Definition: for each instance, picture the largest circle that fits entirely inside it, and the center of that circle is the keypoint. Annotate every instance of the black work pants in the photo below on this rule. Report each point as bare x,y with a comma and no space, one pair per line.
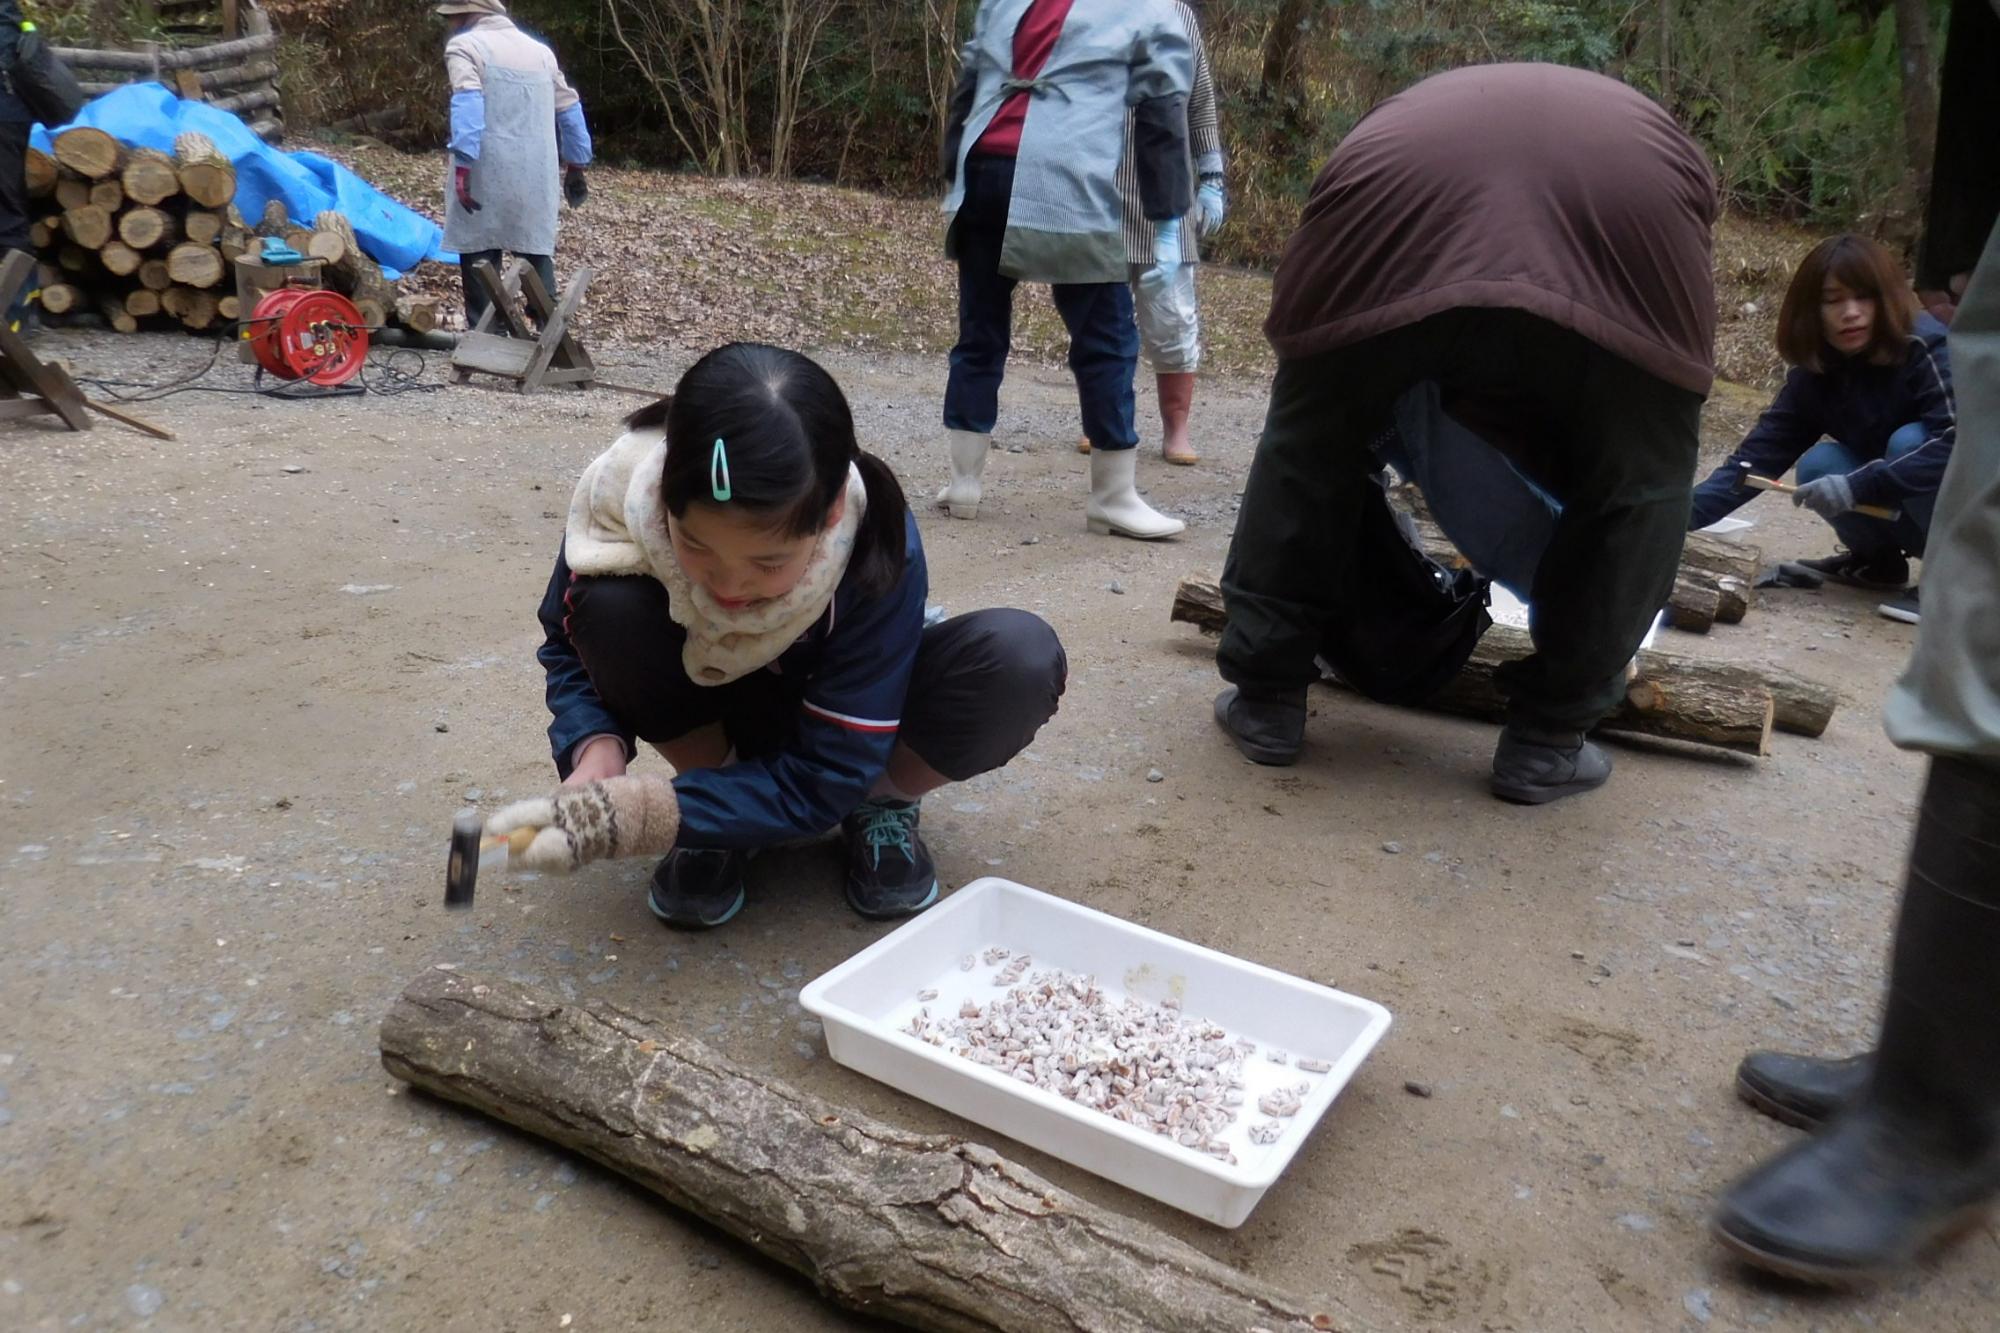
1614,445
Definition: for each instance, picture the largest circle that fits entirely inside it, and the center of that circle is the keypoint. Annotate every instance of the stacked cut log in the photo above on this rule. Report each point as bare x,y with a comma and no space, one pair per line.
163,246
239,75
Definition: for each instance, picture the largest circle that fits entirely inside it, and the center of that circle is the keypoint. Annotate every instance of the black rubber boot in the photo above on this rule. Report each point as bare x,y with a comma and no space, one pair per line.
1915,1162
1267,728
1799,1089
698,888
1532,766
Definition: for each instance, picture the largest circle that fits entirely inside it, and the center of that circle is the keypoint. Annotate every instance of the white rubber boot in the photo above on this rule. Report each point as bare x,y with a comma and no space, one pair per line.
1115,507
968,459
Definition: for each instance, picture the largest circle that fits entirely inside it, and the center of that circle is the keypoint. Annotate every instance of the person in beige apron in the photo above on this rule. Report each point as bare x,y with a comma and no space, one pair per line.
518,139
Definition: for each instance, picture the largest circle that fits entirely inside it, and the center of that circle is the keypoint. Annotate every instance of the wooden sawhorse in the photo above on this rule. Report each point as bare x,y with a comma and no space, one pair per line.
518,353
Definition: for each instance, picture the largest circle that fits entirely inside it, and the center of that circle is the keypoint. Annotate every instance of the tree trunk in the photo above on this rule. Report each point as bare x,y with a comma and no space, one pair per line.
195,265
923,1230
1280,82
1913,41
1688,694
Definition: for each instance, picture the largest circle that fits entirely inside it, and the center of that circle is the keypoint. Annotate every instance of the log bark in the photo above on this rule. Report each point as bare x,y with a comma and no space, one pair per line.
274,222
373,314
108,194
1678,698
206,175
120,259
1694,605
150,177
195,265
146,228
235,78
927,1231
203,226
59,298
243,103
87,225
352,270
233,242
81,58
153,275
88,152
41,174
142,302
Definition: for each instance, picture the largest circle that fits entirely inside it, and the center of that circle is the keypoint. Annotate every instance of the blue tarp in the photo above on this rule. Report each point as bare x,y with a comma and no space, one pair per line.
149,115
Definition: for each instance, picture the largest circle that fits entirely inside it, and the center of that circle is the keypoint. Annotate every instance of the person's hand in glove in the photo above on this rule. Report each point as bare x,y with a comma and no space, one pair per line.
627,816
461,181
1211,205
575,188
1829,497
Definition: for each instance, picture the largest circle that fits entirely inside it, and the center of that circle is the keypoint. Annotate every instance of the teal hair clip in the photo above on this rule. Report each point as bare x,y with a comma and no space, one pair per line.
718,473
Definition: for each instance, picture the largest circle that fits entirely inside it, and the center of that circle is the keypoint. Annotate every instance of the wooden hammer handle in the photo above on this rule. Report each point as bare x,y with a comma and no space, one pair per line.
1757,483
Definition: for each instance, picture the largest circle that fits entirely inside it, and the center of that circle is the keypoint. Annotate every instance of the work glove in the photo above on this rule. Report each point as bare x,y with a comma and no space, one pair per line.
1210,207
575,188
625,816
1829,497
1167,249
461,182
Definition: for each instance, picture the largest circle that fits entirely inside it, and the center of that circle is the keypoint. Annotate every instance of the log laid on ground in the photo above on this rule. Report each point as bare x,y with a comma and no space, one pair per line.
146,228
214,55
120,259
1681,698
416,314
41,174
195,265
353,272
150,177
116,315
371,122
87,225
141,302
206,175
108,195
1694,605
59,298
1732,567
198,308
924,1230
203,226
153,275
89,152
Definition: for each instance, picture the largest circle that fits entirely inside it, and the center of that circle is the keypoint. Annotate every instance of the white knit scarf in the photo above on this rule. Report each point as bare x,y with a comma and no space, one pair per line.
618,525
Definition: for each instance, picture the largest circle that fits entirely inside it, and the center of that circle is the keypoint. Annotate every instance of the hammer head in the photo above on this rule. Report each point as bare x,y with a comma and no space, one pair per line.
461,871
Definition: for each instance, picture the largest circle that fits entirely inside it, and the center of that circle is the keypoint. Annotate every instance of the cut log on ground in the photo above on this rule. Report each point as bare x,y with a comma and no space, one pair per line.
59,298
89,152
120,259
150,177
418,315
154,276
195,265
206,175
203,226
147,228
1800,706
41,174
373,314
108,195
142,302
1694,605
87,225
923,1230
198,309
116,316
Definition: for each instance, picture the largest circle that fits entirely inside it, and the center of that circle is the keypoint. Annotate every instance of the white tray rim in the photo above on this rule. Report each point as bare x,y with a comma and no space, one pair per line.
813,999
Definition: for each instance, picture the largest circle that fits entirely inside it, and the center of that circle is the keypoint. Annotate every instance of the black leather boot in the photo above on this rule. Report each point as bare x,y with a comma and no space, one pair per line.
1799,1089
1267,728
1915,1161
1533,765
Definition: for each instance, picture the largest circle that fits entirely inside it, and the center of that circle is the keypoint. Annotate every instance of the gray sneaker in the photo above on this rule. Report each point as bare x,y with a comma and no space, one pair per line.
1534,767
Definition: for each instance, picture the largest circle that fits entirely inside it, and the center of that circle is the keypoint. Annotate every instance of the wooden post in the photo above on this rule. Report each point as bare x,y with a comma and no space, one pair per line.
928,1231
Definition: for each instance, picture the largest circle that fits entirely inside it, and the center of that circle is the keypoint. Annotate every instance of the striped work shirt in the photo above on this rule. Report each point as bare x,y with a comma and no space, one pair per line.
1204,142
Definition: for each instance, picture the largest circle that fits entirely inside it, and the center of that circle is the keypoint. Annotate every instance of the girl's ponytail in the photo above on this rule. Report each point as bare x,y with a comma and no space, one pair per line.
882,545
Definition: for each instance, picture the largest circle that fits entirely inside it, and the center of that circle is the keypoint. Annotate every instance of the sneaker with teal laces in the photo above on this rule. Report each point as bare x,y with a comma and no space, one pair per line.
889,870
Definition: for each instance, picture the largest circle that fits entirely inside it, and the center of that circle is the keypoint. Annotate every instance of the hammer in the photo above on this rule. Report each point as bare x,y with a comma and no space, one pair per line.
469,851
1757,483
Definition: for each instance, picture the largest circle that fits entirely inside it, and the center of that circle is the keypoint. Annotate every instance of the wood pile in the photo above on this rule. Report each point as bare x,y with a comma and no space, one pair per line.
238,74
131,234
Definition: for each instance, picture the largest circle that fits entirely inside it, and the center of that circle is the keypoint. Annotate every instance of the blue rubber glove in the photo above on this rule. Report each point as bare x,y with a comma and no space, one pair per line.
1829,497
1210,207
1167,248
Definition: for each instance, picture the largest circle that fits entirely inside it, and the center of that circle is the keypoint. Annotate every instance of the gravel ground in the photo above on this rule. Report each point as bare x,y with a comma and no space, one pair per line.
250,673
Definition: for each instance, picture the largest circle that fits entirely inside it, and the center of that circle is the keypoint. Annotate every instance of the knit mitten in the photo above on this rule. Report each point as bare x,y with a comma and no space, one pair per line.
622,816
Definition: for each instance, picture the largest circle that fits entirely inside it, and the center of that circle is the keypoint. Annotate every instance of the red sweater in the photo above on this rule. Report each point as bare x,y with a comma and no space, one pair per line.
1033,41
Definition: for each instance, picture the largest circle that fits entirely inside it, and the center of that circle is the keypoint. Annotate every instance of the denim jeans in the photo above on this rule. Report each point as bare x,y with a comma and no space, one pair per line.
1859,533
1103,337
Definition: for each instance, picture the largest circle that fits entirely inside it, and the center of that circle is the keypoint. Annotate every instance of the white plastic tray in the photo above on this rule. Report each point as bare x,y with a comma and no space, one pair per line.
867,1002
